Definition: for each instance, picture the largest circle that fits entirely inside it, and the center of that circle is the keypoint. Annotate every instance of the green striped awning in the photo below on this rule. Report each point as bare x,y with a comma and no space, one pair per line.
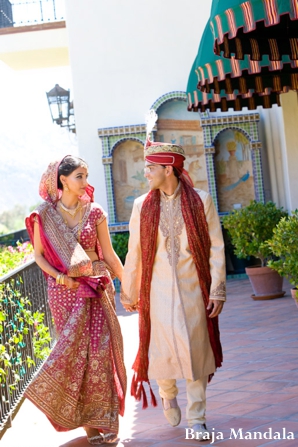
199,101
255,28
216,82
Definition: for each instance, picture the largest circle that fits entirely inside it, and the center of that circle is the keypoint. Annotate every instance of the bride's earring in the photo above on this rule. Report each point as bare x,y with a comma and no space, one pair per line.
65,187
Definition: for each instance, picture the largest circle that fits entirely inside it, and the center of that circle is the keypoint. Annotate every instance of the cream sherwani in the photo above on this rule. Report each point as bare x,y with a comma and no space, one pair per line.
179,344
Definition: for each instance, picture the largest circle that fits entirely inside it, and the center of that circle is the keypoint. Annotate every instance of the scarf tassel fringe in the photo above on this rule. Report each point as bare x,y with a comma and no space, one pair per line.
137,390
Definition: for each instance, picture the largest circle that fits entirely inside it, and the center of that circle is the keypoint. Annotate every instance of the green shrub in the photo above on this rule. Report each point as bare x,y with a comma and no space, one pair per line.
3,229
284,245
11,257
250,227
13,219
120,244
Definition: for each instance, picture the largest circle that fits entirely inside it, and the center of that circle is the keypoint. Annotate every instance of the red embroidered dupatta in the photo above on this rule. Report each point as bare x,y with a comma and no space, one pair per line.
199,243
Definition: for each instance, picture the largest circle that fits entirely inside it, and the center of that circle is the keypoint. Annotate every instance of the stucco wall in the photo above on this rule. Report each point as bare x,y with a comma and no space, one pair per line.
35,46
289,103
124,56
271,135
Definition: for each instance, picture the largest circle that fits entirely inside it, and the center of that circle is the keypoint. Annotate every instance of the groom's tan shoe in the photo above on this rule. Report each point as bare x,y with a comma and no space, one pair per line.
171,411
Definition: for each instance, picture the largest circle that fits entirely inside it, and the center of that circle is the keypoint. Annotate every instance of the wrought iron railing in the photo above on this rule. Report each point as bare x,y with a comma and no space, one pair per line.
26,281
30,12
14,237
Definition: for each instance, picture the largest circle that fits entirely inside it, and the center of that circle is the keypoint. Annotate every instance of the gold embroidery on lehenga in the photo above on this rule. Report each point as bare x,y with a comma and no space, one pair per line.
70,394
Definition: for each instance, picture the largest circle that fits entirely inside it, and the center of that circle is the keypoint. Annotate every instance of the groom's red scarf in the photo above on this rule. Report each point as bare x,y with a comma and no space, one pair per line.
199,243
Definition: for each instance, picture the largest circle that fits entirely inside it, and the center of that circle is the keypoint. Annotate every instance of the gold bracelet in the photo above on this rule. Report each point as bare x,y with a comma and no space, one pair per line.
62,279
58,278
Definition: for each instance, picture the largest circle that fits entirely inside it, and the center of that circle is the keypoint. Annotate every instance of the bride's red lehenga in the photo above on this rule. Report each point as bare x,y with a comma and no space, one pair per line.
83,381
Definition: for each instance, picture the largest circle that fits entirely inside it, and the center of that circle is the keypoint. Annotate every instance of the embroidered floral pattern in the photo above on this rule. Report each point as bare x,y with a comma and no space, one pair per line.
75,386
48,185
164,148
219,291
66,245
171,224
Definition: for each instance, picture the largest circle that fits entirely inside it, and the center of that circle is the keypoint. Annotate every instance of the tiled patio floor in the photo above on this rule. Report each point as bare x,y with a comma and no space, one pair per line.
256,390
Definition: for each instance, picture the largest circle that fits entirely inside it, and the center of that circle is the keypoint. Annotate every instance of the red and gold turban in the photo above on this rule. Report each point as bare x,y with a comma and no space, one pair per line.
167,154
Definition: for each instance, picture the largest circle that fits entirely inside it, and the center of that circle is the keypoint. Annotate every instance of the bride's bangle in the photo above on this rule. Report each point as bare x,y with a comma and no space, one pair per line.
60,279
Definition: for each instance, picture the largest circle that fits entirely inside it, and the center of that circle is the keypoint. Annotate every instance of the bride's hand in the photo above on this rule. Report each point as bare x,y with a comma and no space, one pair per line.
71,283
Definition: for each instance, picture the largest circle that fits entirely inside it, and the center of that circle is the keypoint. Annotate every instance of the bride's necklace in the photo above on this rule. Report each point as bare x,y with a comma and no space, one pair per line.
79,223
71,211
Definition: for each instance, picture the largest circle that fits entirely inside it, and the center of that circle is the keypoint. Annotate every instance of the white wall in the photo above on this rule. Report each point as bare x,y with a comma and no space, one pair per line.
124,55
289,102
281,143
34,40
271,135
31,49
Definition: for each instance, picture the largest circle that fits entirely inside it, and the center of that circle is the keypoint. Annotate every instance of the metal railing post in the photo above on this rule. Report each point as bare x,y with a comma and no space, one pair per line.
29,281
41,12
16,13
54,9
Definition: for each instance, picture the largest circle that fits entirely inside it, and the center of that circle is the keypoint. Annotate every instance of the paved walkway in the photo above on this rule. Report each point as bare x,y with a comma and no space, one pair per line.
256,390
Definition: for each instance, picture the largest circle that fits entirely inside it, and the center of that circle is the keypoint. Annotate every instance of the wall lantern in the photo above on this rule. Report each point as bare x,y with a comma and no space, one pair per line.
61,108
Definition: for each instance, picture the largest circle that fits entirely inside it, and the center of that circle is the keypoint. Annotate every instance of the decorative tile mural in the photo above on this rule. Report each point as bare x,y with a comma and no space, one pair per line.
233,170
123,159
123,154
223,156
176,125
233,153
128,176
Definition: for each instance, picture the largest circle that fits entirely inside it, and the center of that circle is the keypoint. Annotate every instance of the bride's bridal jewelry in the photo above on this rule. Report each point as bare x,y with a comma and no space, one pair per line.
71,211
79,225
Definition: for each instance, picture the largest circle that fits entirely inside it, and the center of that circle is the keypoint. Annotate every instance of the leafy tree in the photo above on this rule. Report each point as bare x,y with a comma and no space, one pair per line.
3,229
33,207
14,218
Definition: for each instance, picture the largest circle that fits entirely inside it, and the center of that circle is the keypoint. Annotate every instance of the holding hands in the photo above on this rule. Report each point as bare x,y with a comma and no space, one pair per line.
126,304
131,308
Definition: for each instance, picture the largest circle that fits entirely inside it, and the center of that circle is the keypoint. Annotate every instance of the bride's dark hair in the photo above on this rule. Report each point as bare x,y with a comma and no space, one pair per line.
68,165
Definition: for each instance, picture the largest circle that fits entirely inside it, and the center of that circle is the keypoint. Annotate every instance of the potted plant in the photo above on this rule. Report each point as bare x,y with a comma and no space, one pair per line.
249,228
283,244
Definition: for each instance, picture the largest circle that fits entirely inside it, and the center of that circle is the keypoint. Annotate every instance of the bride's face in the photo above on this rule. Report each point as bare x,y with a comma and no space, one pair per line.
76,182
